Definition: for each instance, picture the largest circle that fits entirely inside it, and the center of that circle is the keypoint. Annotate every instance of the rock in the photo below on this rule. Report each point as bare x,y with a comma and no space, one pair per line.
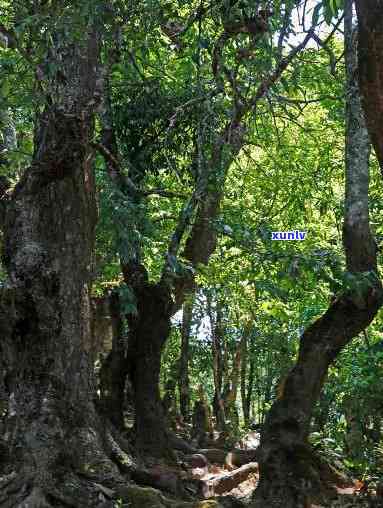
199,472
230,502
146,497
226,482
139,497
198,460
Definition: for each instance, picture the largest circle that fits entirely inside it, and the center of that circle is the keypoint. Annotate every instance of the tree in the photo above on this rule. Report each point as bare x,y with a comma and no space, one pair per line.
194,237
52,430
184,381
371,68
286,464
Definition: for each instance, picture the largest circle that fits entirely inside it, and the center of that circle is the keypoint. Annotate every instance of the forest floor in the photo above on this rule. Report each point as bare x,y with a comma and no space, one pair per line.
226,477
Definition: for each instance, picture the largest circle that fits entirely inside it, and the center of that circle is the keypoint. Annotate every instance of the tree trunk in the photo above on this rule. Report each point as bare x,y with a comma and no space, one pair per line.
148,332
114,369
217,338
288,475
184,387
231,391
197,224
52,429
245,356
370,52
250,386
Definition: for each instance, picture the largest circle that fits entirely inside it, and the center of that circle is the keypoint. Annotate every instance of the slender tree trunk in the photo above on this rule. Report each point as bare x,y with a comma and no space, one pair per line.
184,385
230,398
245,356
250,385
114,369
370,52
288,476
52,429
218,362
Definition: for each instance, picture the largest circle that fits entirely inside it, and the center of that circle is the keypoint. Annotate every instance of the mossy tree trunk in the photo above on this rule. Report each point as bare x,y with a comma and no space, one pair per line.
52,429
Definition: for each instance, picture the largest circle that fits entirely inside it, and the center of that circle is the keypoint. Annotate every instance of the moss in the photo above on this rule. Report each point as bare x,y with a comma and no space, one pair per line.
139,497
206,504
146,497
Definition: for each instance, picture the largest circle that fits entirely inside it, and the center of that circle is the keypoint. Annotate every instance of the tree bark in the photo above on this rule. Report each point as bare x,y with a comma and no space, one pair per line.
52,429
148,332
370,51
184,387
225,482
288,475
245,355
231,390
113,371
218,361
250,385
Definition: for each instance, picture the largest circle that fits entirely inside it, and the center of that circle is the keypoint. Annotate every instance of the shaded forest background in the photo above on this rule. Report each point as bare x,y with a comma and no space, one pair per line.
157,347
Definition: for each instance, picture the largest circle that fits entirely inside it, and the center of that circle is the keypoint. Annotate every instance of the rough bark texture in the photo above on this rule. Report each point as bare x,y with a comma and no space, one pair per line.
184,387
52,430
358,241
288,474
370,51
113,371
148,331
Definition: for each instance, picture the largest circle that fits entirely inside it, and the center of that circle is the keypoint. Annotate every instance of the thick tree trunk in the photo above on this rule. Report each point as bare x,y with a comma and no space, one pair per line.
52,429
288,475
184,387
148,332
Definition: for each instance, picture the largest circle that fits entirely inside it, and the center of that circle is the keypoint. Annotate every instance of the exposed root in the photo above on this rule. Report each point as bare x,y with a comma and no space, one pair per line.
36,499
84,478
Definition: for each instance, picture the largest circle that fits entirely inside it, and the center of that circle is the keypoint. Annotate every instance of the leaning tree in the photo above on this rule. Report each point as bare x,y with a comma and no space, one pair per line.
288,471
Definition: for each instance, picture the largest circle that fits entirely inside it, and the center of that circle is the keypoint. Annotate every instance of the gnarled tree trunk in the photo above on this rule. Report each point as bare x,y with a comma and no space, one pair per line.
148,332
288,476
52,429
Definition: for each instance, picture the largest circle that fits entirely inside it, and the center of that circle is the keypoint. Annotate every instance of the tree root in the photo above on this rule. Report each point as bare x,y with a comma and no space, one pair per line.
36,499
